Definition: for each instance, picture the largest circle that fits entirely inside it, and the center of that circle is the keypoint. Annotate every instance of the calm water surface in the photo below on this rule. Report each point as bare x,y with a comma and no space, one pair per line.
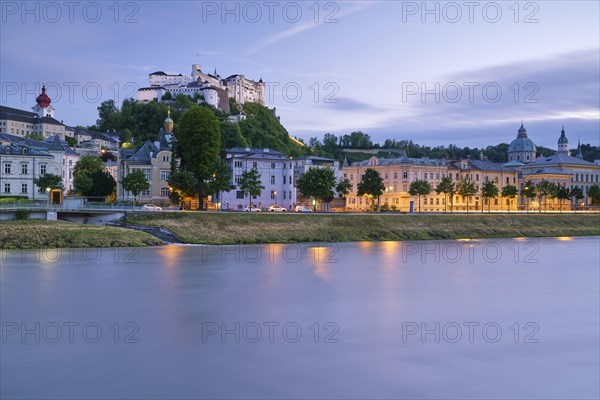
447,319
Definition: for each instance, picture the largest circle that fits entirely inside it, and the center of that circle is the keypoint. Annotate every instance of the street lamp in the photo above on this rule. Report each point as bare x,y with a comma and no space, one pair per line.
275,193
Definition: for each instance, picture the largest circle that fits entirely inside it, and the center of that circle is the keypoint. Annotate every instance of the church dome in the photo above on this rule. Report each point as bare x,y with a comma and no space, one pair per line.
563,138
522,143
43,100
168,124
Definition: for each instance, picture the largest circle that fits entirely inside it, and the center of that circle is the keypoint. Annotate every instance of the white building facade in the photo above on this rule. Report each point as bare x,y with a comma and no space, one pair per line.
276,175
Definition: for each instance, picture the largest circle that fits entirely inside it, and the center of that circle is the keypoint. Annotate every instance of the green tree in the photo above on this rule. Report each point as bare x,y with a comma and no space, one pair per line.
577,193
250,184
489,190
317,183
183,184
562,193
467,189
510,192
594,194
88,165
221,179
545,189
447,187
371,185
91,179
82,183
199,138
108,116
419,188
135,182
529,192
71,141
48,181
167,96
343,187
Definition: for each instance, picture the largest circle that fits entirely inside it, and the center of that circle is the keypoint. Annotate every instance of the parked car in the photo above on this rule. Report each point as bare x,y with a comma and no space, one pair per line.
151,207
276,208
303,209
251,209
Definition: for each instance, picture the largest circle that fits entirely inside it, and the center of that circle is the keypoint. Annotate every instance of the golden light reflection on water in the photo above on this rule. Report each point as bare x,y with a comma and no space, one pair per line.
565,238
319,262
170,255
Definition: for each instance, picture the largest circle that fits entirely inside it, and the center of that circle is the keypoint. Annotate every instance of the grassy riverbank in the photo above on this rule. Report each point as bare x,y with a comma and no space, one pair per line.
229,228
36,234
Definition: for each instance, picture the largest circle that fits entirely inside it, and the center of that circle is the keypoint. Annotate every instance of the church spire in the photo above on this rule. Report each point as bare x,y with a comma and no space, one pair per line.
563,142
579,153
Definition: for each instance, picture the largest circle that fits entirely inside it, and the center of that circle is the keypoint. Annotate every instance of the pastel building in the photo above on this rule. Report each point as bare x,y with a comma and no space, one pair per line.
154,160
22,160
39,122
276,174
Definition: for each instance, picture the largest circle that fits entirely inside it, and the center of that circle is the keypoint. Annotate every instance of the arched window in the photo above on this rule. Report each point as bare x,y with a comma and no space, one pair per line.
7,151
24,151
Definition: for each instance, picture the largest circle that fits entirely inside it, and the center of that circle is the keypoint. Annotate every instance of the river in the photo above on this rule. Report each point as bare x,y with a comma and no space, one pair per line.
470,319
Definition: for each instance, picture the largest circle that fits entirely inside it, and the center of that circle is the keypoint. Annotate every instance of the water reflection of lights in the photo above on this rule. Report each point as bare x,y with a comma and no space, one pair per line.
319,261
170,254
565,238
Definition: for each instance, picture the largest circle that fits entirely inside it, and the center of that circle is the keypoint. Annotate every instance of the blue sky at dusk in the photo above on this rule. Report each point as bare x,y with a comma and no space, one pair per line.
358,65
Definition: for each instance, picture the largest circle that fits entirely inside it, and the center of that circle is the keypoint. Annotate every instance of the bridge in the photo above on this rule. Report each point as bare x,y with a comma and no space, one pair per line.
82,215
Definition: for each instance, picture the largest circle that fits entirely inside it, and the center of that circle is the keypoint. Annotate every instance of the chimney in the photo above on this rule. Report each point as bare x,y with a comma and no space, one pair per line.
265,150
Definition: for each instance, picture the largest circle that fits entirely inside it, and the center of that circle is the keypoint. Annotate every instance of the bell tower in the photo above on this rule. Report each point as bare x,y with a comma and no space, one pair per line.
43,107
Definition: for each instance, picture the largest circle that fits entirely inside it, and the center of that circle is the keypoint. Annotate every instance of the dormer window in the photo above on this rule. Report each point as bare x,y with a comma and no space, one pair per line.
24,151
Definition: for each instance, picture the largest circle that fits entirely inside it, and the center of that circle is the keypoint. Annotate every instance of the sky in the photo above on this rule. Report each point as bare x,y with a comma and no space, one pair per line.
436,73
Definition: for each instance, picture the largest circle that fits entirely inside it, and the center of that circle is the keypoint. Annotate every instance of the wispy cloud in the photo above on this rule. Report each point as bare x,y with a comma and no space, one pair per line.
303,27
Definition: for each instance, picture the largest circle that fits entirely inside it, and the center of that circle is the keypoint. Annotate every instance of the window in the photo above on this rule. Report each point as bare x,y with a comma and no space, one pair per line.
290,194
165,192
7,168
237,164
23,188
477,177
431,176
166,158
507,180
43,169
239,194
385,176
237,178
273,195
147,173
254,164
284,194
7,188
146,192
284,178
272,179
395,175
165,174
405,175
272,165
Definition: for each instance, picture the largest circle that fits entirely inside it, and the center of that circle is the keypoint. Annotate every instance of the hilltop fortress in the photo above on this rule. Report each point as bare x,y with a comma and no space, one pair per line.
215,90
